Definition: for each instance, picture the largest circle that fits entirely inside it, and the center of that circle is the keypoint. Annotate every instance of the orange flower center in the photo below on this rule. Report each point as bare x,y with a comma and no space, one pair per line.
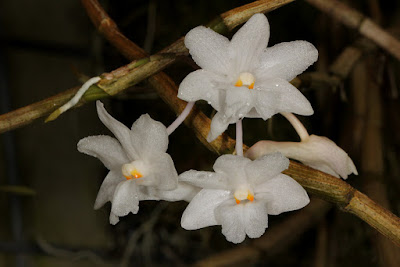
245,79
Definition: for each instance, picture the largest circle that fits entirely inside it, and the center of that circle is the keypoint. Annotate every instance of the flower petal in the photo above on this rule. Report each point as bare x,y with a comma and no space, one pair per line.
317,152
282,194
107,149
286,97
163,171
201,84
107,188
265,147
231,217
238,102
286,60
121,132
248,43
266,168
208,49
149,136
232,167
200,211
264,104
218,126
323,151
184,191
114,219
209,180
255,218
148,193
125,198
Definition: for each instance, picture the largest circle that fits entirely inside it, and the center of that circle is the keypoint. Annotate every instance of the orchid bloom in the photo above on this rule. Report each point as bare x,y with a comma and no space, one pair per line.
139,167
315,151
242,78
240,194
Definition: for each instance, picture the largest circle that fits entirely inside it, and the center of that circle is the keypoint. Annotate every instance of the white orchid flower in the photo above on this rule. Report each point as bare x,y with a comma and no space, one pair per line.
139,167
240,194
315,151
242,78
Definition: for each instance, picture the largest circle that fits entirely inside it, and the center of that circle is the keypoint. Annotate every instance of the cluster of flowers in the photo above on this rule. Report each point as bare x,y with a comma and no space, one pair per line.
239,78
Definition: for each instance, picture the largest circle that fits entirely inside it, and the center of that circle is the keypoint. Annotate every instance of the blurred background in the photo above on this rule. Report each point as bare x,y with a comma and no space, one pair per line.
47,47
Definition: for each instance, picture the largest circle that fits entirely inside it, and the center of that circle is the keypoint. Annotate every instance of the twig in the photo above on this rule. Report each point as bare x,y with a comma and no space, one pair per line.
358,21
70,255
144,229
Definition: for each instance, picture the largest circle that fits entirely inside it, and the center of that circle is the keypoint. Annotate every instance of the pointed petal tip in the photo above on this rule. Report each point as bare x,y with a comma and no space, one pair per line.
114,219
352,166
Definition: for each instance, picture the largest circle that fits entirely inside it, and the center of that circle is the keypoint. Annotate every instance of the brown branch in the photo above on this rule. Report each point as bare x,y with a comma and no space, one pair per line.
358,21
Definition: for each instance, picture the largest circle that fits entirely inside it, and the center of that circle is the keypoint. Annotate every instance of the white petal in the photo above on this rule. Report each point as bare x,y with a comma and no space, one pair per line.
218,126
255,218
114,219
323,151
286,60
286,97
266,167
265,147
184,191
231,217
107,188
149,136
282,194
201,84
208,49
209,180
238,102
249,42
200,211
163,171
293,150
125,199
233,167
120,131
107,149
264,104
148,193
317,152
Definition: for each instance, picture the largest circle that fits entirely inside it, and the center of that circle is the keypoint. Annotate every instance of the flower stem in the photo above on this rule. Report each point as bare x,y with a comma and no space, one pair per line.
239,138
297,125
180,118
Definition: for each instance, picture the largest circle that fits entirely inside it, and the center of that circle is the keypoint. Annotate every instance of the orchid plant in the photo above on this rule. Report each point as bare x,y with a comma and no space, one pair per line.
241,78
